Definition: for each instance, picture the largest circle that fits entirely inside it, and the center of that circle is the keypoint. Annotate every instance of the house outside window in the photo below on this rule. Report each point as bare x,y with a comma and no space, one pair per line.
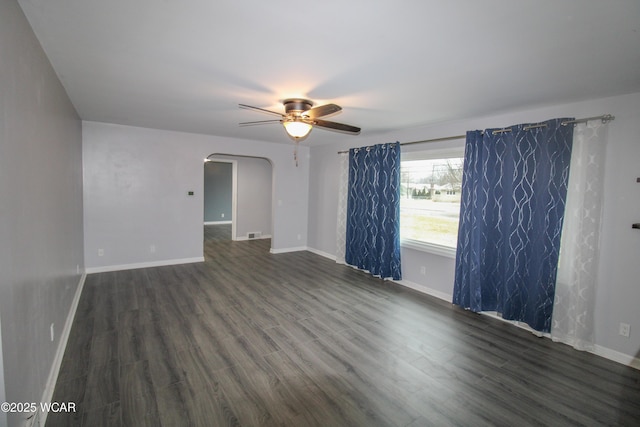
430,190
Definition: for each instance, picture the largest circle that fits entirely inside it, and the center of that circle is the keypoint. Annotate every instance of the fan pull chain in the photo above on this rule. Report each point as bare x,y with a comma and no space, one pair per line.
295,152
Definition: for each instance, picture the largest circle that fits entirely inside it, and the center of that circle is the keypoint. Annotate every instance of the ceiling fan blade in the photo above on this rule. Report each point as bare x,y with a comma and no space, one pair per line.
249,107
322,110
337,126
259,122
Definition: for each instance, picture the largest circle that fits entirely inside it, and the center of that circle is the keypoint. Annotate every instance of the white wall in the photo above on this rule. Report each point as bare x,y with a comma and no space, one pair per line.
254,196
619,291
40,211
135,193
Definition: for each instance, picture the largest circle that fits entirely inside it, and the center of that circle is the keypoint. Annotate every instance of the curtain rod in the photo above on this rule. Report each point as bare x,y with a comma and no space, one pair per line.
605,119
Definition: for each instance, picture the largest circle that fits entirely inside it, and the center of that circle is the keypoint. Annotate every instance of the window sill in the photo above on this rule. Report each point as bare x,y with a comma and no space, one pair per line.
432,248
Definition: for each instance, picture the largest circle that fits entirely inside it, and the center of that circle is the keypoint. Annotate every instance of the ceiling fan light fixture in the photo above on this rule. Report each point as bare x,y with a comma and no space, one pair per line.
297,129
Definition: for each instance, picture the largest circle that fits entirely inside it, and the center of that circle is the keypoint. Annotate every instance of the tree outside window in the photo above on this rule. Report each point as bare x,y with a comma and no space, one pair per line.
430,200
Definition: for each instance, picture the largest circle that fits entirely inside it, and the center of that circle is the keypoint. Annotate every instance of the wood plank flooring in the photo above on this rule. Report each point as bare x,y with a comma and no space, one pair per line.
250,338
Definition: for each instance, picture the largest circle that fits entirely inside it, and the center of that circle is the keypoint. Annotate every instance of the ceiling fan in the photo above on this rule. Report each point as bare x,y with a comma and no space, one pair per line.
300,117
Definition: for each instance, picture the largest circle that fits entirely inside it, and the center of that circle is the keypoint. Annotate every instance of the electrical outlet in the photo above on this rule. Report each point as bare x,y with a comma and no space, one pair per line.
624,329
100,252
423,270
52,331
222,215
152,249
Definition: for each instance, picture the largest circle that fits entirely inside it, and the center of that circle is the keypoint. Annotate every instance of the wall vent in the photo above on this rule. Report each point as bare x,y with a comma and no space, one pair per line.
254,235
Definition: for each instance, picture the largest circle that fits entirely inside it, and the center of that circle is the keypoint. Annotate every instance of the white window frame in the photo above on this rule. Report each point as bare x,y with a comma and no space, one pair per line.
430,154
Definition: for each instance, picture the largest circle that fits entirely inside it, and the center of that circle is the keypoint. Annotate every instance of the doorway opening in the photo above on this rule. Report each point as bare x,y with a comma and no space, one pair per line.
238,199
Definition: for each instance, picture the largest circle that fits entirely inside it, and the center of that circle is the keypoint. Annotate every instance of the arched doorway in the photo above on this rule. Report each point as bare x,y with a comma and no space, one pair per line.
249,181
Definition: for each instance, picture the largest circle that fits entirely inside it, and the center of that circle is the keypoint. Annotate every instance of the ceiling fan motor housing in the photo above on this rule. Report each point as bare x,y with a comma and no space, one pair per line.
297,105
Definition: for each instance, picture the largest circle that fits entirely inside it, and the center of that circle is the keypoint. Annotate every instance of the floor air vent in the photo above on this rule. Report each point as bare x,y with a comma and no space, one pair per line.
254,235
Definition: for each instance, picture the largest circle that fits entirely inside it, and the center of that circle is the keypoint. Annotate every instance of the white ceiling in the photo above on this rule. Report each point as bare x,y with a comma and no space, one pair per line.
391,64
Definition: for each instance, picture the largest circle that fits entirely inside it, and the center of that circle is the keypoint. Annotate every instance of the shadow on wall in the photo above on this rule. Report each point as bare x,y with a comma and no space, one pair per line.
218,192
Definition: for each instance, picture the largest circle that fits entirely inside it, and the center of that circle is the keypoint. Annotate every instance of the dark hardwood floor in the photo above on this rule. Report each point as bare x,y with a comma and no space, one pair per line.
255,339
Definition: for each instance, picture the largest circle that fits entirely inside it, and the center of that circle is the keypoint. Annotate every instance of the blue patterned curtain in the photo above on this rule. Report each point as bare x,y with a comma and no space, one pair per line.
373,210
514,188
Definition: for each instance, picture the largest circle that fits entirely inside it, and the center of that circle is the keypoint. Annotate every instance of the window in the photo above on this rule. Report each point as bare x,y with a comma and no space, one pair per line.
430,202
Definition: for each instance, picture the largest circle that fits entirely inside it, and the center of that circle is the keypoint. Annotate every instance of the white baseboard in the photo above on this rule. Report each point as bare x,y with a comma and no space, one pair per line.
607,353
406,283
598,350
601,351
217,222
321,253
425,290
304,248
47,395
50,386
616,356
107,268
285,250
242,238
